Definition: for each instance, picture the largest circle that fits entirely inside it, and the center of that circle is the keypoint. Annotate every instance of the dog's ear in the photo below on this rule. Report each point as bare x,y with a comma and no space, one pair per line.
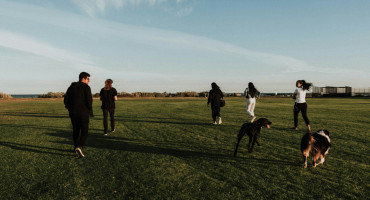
326,132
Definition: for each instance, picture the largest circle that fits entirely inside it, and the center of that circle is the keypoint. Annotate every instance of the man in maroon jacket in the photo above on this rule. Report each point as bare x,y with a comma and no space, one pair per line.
78,101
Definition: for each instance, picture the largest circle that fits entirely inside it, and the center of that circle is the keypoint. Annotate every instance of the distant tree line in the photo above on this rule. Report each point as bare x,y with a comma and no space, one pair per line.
53,95
136,94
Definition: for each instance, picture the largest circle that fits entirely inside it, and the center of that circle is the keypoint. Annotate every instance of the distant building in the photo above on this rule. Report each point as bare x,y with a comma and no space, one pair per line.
330,91
361,92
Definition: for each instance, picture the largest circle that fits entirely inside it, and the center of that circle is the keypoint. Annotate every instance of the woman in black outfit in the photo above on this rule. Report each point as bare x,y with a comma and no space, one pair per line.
214,98
108,95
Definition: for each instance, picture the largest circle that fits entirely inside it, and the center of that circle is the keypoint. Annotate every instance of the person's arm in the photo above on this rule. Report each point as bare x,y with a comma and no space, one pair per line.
66,99
295,94
209,97
89,100
101,94
115,94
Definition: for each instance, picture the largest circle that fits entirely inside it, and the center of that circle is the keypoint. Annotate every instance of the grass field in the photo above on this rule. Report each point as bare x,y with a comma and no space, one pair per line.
168,149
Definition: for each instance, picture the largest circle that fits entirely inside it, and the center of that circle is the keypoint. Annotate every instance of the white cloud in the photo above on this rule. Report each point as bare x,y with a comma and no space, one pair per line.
185,11
92,7
29,45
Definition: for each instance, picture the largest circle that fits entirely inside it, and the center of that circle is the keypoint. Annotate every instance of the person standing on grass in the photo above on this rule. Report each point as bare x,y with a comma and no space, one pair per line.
108,95
251,93
78,101
214,98
300,103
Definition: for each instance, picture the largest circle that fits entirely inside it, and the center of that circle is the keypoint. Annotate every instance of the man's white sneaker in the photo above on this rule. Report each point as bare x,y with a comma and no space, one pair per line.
79,152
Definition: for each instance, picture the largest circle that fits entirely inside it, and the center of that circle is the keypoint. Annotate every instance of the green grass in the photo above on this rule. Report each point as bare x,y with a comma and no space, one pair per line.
168,149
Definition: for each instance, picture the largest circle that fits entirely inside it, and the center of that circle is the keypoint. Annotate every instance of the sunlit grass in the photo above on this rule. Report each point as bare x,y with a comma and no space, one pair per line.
168,149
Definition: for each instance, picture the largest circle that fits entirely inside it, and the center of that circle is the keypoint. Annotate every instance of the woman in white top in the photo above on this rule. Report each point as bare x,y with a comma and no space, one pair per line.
251,93
300,103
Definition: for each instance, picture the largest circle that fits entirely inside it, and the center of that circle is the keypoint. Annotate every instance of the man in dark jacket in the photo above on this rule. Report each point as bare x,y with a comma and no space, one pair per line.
78,101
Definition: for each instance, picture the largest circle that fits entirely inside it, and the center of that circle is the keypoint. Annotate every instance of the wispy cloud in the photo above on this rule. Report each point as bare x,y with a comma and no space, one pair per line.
93,7
185,11
26,44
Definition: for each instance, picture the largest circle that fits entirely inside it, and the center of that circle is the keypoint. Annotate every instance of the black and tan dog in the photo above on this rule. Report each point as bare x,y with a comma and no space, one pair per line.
252,130
318,144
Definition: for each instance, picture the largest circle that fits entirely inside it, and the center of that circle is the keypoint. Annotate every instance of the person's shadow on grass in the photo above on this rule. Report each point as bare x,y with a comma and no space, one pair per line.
100,141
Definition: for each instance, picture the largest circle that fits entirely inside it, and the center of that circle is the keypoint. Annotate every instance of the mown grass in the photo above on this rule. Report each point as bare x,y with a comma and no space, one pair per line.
168,149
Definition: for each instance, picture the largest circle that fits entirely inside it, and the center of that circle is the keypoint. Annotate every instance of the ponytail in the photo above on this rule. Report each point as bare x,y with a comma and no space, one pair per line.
306,86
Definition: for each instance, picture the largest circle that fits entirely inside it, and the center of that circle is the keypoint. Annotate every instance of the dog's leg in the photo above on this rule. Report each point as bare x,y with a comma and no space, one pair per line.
315,158
252,140
258,142
237,145
305,161
322,159
249,144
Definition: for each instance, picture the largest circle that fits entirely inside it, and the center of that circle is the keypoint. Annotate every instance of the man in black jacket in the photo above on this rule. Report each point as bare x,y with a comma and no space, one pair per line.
78,101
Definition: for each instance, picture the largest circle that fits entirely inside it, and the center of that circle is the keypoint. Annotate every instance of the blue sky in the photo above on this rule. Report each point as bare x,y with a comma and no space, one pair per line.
183,45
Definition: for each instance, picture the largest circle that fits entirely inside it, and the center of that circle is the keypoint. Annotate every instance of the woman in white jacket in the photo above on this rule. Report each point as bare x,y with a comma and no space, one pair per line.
251,93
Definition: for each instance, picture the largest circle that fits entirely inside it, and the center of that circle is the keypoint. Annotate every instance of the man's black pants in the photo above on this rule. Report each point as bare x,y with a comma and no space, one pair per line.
105,121
80,123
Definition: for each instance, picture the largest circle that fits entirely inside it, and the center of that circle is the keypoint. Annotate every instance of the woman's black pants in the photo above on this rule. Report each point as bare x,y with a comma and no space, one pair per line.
300,107
215,112
105,120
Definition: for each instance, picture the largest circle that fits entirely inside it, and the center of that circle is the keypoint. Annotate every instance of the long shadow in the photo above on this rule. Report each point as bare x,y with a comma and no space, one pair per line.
35,115
35,149
49,128
173,149
182,122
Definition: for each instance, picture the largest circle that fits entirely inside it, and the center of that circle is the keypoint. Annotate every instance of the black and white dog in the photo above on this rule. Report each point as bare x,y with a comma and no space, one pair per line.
318,144
252,130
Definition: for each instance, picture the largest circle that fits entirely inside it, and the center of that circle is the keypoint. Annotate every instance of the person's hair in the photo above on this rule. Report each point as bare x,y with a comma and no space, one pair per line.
252,90
305,86
108,84
83,75
214,86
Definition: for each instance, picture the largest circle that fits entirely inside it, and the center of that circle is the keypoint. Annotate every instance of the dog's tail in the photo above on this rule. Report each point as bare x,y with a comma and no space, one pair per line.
306,142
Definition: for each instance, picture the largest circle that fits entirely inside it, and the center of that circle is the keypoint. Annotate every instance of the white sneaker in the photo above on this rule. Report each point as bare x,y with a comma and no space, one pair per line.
253,118
215,123
114,130
79,152
219,120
